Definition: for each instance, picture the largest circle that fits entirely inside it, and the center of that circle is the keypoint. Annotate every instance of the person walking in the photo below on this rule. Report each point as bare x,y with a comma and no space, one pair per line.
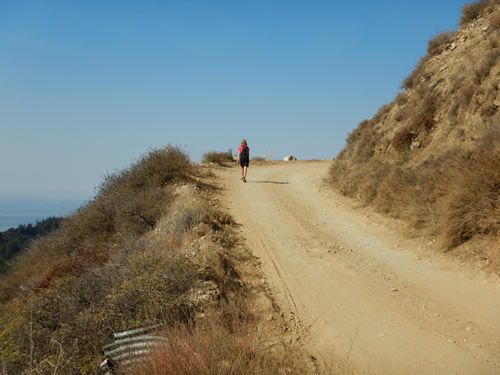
244,159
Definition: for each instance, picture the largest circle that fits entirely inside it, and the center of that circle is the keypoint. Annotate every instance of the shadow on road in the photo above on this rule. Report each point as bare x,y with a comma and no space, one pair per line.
268,182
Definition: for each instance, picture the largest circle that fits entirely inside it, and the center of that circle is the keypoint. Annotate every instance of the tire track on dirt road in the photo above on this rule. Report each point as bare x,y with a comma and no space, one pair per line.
367,294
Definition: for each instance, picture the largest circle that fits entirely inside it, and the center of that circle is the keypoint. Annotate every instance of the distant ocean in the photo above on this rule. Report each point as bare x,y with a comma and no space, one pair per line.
14,212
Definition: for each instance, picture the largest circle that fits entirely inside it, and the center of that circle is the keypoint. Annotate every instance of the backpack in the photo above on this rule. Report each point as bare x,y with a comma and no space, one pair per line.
244,154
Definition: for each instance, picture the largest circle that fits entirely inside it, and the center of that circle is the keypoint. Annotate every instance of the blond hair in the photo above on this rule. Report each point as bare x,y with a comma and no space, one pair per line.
244,142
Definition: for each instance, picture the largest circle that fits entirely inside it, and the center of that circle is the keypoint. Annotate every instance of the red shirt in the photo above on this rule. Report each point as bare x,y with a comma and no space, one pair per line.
241,149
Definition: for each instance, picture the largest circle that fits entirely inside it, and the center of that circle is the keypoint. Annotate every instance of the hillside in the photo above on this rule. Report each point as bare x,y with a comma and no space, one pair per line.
150,250
13,240
432,156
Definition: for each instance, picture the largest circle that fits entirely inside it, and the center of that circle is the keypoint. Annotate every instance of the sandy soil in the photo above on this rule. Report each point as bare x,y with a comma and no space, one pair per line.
367,293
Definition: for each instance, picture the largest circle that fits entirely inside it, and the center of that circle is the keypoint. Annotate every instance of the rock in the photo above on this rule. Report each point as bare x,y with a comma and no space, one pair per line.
289,158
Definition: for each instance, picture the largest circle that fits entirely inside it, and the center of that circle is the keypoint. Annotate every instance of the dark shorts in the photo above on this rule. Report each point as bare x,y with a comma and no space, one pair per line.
244,163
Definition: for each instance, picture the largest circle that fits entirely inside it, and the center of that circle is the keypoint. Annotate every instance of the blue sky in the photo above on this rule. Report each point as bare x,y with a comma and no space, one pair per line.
86,87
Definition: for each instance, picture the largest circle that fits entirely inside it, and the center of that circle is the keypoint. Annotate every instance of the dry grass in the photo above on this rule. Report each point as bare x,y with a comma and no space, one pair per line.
364,138
495,21
448,191
416,75
220,344
148,249
68,278
435,44
258,158
401,99
472,206
472,10
455,197
464,95
403,139
218,157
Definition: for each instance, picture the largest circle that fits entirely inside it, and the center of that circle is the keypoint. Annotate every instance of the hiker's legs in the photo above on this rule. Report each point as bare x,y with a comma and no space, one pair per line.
244,171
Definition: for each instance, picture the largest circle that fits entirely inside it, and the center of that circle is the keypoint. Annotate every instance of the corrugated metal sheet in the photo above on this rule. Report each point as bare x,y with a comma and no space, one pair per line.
129,346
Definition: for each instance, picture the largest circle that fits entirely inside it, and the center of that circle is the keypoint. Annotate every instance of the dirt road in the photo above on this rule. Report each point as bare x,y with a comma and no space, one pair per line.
367,294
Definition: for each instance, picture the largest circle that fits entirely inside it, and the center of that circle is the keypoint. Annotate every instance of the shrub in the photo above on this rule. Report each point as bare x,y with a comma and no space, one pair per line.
347,178
464,95
382,113
489,110
433,46
258,158
154,169
402,115
493,42
484,69
191,214
365,147
208,173
403,138
75,268
495,21
218,157
452,113
454,197
412,80
472,10
356,133
152,289
473,205
425,118
220,345
401,99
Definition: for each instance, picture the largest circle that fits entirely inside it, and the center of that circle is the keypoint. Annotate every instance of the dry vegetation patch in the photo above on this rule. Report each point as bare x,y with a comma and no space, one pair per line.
431,158
151,248
454,198
218,157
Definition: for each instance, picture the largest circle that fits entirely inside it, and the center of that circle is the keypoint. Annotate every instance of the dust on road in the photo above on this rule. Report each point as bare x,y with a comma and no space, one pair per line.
367,294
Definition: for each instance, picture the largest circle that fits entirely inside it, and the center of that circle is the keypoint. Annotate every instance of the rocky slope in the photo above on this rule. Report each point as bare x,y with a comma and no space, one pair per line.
432,156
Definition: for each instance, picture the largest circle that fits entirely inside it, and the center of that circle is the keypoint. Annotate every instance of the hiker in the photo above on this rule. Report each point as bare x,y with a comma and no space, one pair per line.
244,159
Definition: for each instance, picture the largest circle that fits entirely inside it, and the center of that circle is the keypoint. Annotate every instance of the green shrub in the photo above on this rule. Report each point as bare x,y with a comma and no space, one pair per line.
155,169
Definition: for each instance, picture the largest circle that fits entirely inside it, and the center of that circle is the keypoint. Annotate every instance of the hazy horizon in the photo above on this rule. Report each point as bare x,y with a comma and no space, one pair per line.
14,212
